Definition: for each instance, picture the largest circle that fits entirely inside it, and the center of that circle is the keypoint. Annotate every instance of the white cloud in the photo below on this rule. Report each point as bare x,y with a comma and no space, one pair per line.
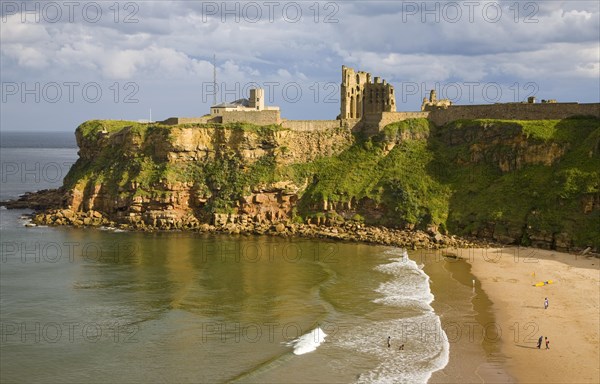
26,57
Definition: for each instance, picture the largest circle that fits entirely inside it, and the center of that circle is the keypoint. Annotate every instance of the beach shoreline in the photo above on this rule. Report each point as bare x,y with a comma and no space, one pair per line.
464,312
571,322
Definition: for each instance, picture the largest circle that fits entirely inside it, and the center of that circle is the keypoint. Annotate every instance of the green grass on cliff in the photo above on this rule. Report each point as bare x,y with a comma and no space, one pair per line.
535,200
385,169
94,127
454,178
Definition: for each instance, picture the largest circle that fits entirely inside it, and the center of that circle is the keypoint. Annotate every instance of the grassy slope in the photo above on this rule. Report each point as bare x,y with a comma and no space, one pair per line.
431,182
397,180
545,198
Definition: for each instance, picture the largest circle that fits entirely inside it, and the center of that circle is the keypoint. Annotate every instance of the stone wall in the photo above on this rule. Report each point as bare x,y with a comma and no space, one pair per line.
513,111
265,117
310,125
372,123
188,120
392,117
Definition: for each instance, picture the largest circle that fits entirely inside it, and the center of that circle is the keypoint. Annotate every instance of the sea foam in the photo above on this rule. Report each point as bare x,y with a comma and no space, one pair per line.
308,342
409,288
426,348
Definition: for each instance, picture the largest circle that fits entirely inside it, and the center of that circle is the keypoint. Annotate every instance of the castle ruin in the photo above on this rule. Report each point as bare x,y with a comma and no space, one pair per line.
368,104
360,95
433,103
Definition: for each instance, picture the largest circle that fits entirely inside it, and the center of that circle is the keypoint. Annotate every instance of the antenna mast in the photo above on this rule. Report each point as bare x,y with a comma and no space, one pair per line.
215,79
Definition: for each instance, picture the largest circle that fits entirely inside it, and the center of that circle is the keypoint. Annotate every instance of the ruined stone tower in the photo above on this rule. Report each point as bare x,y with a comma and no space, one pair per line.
360,96
433,103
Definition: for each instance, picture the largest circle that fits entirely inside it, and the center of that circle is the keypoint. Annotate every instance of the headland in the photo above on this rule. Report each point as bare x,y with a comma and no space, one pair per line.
515,173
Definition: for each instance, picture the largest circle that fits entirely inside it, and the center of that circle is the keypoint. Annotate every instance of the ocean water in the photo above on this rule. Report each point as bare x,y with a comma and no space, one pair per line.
90,305
32,161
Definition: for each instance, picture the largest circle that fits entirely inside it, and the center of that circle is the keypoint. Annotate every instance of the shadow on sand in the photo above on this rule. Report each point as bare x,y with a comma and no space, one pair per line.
526,346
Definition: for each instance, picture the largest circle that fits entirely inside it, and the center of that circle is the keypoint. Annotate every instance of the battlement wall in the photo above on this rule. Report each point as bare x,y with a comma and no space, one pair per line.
514,111
310,125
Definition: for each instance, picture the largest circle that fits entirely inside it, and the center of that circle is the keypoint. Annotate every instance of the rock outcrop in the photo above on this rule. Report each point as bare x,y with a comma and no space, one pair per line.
178,177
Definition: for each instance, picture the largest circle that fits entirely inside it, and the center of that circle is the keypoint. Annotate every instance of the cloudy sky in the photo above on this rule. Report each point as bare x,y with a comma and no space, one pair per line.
66,62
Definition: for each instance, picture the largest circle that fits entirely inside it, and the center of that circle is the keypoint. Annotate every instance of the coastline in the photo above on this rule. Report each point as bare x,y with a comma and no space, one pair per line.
499,320
571,322
44,204
503,296
464,312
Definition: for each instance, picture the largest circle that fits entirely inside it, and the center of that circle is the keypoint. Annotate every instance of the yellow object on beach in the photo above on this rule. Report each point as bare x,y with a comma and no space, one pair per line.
542,283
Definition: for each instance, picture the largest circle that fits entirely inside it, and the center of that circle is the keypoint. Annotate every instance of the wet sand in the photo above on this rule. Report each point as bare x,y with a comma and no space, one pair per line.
515,317
464,311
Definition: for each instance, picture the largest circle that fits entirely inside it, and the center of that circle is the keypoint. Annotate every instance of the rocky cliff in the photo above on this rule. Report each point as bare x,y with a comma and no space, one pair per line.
522,182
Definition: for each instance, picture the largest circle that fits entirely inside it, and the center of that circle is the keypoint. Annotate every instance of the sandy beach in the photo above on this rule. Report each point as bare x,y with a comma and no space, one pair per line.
571,322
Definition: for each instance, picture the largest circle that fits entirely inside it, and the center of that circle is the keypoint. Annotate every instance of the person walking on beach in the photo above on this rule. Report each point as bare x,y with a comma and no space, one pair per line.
547,343
546,303
388,340
540,342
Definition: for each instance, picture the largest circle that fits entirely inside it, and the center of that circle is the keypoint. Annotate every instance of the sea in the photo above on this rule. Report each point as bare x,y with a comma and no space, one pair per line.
108,306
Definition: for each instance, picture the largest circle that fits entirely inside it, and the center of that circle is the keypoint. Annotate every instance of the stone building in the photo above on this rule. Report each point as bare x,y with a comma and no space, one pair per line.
361,96
252,110
256,102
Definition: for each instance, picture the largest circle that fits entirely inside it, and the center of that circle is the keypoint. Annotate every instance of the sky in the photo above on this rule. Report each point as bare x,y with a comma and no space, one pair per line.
65,62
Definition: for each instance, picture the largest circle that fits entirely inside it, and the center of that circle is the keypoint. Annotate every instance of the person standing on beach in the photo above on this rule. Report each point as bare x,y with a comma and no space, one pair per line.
546,303
388,340
540,342
547,343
